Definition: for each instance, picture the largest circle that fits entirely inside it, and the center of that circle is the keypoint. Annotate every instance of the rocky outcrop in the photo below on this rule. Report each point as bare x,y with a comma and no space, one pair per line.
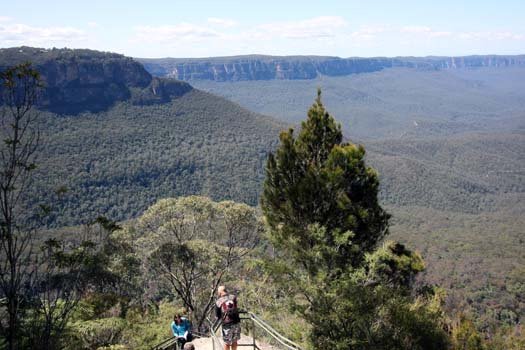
306,67
85,80
160,90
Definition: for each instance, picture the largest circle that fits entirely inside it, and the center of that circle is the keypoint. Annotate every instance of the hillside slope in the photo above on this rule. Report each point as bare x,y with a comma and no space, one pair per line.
467,173
118,162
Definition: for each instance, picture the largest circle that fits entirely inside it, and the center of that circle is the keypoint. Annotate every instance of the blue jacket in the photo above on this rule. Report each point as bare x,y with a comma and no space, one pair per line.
179,330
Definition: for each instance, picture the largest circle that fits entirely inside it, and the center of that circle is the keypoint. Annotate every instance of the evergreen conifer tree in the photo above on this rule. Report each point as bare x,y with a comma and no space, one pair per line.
317,179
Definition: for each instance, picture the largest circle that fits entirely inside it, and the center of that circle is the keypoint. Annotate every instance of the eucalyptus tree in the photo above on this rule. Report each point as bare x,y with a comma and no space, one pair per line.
191,244
19,140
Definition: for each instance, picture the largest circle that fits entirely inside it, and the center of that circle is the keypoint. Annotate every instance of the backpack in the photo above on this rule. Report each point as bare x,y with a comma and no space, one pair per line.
229,310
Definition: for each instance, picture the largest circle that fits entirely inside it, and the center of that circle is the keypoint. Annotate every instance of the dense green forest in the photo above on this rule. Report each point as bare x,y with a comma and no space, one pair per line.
116,163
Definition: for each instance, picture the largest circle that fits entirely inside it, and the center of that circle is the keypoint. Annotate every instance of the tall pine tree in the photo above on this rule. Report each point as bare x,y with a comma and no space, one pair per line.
317,179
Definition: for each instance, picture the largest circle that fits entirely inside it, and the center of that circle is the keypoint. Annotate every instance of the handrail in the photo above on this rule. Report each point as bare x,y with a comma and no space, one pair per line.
269,330
165,344
272,332
213,329
172,341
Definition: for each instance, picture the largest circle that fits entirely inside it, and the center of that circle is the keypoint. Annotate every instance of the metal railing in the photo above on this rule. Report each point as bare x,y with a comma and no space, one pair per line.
171,343
256,325
166,344
215,340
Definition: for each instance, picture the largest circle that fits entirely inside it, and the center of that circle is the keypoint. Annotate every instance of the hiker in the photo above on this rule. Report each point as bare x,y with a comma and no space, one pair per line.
181,329
227,312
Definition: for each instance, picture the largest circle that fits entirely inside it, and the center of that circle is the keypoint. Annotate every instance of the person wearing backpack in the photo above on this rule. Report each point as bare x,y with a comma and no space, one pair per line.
227,312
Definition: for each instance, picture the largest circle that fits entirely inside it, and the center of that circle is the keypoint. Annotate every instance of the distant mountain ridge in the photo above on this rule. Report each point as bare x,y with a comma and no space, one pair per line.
261,67
80,80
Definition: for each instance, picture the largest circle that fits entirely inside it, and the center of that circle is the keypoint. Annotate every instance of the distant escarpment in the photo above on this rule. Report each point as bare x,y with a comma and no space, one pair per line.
255,67
90,81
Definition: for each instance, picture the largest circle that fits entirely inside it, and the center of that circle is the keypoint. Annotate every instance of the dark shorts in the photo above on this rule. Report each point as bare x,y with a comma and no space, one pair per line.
231,333
181,340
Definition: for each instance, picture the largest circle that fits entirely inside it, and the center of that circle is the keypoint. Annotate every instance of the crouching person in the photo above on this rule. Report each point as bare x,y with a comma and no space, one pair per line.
181,329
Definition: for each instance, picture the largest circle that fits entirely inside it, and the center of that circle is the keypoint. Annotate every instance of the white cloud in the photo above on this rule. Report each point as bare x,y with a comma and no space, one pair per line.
416,29
492,36
326,35
426,31
474,35
5,19
217,30
93,25
318,27
223,22
22,34
167,33
440,34
369,32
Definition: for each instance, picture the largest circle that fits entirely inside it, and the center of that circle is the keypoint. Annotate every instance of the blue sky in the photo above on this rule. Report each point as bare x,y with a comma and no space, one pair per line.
222,28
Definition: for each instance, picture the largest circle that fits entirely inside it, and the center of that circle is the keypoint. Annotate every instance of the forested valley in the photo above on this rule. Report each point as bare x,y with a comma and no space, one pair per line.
118,197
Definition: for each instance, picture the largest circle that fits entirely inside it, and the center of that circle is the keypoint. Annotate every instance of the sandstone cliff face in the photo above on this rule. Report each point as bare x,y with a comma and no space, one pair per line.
160,90
87,80
493,61
264,68
306,67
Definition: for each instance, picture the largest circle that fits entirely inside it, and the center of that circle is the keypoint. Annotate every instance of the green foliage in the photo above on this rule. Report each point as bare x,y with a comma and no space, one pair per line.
457,173
349,315
466,337
146,330
67,273
119,162
320,203
139,329
370,309
320,199
267,294
190,245
507,338
464,189
393,265
94,334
